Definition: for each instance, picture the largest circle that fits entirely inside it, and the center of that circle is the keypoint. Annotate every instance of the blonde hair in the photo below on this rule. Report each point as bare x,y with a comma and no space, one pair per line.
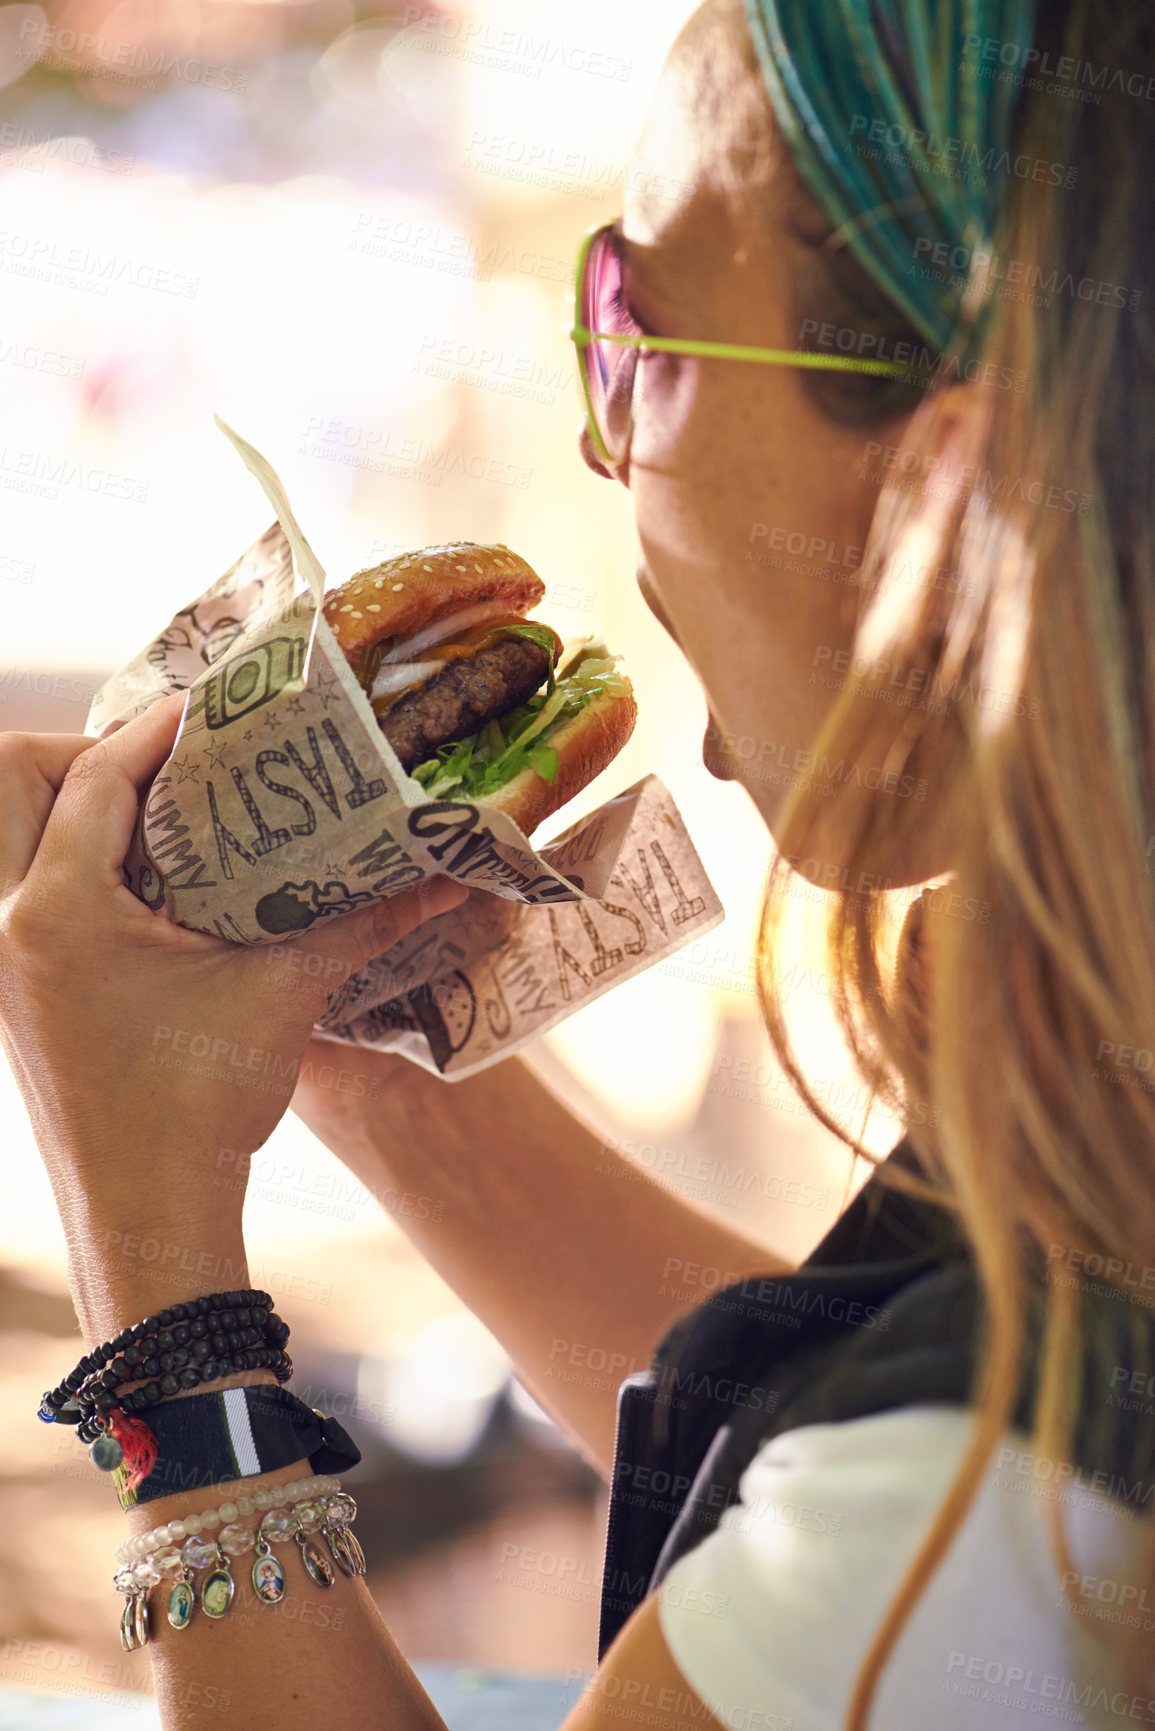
1035,731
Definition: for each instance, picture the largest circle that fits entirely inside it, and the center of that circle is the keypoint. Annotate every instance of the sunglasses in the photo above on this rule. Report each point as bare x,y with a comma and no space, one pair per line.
609,343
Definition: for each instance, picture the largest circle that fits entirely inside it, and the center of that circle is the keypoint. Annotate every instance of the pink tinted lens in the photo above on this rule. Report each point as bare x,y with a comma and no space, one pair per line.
611,366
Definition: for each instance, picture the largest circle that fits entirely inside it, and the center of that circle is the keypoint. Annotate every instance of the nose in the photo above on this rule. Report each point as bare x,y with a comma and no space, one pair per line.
592,461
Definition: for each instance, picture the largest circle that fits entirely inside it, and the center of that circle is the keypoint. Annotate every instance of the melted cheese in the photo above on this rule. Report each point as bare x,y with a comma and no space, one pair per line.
395,678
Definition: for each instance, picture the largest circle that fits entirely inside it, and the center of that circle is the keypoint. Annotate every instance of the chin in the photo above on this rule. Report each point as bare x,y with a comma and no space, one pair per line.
714,754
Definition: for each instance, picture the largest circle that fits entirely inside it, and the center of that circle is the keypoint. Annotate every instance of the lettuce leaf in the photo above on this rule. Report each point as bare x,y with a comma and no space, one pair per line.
540,634
482,764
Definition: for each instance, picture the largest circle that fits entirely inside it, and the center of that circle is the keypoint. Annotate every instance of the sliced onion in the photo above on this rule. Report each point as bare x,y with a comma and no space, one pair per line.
392,681
450,626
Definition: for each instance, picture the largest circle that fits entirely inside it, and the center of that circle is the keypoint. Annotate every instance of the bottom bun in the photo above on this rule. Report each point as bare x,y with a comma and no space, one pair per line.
585,745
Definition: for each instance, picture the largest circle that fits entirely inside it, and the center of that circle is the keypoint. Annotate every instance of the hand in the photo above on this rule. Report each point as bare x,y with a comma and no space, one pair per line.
144,1050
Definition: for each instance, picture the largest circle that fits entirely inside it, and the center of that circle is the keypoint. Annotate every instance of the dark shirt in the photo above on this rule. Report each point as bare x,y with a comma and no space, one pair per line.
886,1313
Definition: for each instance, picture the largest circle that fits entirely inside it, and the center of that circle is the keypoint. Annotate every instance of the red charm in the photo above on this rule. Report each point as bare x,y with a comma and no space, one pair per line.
138,1443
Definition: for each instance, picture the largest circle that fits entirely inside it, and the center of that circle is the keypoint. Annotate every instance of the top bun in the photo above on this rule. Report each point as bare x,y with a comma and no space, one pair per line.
397,598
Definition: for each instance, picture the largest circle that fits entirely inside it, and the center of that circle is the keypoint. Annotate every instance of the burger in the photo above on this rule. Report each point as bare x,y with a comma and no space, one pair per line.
468,691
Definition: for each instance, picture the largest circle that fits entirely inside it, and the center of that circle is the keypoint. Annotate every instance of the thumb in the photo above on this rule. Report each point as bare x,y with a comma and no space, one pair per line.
355,939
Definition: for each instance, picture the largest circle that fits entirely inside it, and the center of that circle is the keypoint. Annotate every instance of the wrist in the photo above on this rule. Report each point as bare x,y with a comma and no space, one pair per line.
142,1517
120,1275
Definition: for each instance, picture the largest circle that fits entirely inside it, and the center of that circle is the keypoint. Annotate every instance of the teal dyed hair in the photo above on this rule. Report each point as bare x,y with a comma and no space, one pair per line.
900,129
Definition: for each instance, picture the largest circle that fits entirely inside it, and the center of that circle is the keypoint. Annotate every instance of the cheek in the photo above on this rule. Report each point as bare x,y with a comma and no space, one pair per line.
729,455
752,517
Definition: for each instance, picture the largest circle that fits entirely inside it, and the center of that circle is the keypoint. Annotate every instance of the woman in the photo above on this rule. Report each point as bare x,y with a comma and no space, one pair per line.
851,183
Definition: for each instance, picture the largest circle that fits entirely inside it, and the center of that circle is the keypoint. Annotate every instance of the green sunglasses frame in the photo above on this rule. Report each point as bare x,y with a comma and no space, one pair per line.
582,338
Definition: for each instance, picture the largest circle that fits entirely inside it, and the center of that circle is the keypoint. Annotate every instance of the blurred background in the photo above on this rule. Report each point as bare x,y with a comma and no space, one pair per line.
350,231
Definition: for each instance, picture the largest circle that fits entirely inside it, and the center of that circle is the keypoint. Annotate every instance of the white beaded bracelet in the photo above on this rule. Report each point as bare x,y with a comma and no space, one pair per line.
317,1511
249,1502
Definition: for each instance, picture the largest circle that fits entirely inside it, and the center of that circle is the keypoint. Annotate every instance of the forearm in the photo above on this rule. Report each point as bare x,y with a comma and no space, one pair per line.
261,1664
323,1655
565,1251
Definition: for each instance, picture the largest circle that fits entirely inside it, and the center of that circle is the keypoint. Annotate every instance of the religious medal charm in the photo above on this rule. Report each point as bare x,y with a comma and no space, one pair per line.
317,1565
268,1575
182,1600
218,1586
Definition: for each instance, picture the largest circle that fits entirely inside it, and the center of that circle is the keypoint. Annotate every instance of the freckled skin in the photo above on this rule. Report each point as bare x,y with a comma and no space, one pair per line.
720,446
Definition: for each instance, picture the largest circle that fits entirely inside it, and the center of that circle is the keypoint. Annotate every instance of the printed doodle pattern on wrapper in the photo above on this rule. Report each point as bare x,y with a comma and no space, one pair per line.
282,805
207,628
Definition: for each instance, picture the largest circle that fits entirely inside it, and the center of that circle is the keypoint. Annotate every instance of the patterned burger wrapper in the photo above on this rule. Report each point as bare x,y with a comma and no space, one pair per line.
282,804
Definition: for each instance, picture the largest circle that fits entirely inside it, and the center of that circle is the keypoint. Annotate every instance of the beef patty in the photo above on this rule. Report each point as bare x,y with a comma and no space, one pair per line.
463,697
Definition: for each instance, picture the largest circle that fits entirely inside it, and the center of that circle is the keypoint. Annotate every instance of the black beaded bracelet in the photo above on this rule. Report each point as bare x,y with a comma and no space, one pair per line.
59,1405
172,1350
188,1375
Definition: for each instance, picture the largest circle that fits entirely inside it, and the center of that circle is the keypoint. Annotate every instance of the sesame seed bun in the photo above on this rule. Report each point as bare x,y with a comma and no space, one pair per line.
404,594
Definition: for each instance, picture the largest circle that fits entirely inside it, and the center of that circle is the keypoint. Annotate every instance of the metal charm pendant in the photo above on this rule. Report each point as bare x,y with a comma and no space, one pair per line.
217,1591
128,1627
268,1575
106,1453
317,1565
140,1619
347,1553
342,1556
182,1601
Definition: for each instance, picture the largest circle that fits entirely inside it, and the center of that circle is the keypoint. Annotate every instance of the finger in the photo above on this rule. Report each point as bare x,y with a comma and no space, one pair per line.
91,823
32,768
356,938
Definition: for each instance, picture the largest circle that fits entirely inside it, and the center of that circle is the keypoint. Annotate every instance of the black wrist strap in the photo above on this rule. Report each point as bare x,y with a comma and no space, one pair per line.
236,1433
